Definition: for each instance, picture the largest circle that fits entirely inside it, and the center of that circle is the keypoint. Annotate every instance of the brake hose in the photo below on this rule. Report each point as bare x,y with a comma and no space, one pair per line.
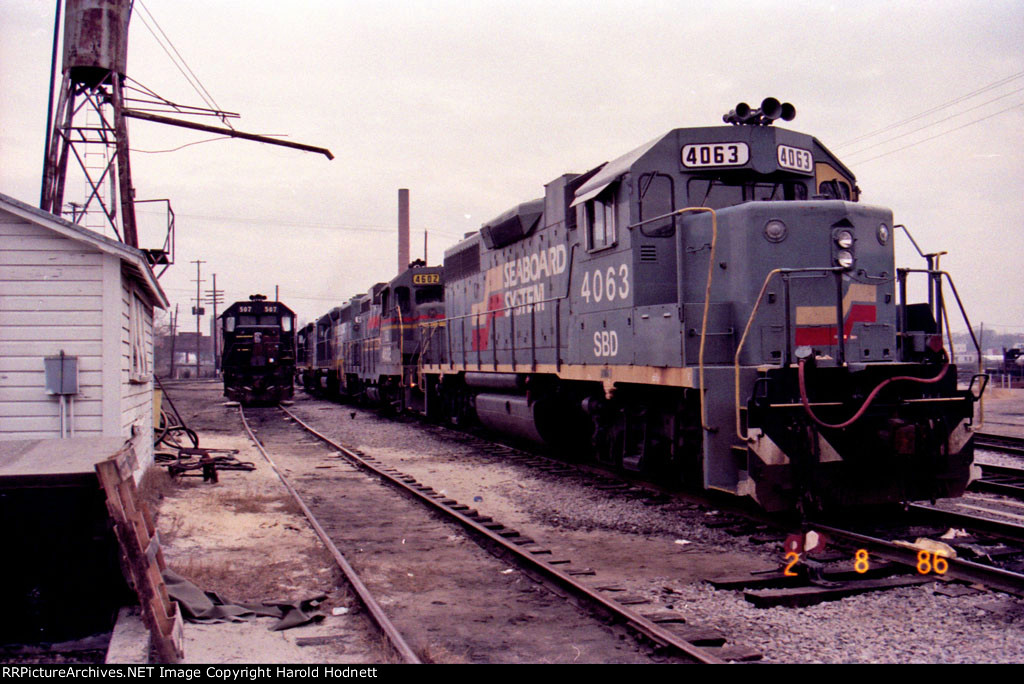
867,402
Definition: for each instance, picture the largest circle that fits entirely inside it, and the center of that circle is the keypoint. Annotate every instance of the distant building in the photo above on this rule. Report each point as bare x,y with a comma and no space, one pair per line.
76,340
965,354
184,350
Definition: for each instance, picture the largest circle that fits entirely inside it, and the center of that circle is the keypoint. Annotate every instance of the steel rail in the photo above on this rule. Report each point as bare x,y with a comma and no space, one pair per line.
967,571
1005,530
633,619
1002,443
365,597
1000,480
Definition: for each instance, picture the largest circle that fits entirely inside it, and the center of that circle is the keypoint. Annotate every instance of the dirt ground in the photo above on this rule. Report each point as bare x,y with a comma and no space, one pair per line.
1003,412
245,539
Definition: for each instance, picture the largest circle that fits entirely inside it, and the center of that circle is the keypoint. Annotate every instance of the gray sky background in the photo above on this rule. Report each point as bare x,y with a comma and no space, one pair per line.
473,106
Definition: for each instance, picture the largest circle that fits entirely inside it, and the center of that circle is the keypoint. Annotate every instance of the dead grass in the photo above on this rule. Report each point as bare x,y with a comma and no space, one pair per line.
170,527
155,486
260,502
250,577
439,655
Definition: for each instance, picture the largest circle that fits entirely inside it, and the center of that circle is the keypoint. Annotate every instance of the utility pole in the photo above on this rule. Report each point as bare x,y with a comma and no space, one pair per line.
198,311
215,297
174,337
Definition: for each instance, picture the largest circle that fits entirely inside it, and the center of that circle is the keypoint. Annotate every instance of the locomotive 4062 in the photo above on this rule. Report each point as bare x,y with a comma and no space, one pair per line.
258,360
715,307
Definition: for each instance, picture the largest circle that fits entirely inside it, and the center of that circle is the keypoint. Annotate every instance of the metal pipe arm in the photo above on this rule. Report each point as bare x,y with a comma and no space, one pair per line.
156,118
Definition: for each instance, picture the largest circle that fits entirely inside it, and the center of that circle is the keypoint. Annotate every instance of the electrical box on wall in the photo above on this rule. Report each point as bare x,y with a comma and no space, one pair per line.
61,374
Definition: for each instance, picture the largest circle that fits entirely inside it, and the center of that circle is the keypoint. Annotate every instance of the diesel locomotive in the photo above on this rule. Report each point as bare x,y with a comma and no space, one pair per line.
715,307
258,360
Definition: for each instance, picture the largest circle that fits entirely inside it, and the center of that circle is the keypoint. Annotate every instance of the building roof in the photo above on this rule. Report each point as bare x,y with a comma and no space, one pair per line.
133,258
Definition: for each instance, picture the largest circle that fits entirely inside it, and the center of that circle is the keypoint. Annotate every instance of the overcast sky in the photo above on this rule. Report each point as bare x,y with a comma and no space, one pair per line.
474,106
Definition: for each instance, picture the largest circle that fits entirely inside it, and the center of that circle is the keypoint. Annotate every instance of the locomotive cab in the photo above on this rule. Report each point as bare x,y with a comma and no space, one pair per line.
717,307
258,360
407,308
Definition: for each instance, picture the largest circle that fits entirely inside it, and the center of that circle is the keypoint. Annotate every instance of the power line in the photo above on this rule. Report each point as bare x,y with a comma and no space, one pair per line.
916,130
194,81
925,113
181,147
938,135
280,223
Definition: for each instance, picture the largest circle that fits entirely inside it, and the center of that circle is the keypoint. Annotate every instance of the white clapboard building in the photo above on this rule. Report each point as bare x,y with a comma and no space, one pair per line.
76,334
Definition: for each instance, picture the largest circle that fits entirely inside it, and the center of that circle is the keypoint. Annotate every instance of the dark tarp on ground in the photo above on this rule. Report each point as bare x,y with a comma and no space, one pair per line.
207,607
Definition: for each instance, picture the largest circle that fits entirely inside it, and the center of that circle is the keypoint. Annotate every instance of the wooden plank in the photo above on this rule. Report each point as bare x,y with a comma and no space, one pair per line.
46,347
38,393
42,243
55,303
140,549
56,332
50,288
48,257
32,363
698,636
37,272
811,595
47,407
776,578
735,653
32,319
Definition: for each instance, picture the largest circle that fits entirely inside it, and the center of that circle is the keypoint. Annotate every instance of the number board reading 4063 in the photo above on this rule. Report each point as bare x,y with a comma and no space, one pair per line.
715,154
796,159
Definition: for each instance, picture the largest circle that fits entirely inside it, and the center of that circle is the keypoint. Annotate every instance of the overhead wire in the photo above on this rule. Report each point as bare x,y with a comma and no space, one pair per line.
183,67
921,128
181,147
921,115
366,227
939,135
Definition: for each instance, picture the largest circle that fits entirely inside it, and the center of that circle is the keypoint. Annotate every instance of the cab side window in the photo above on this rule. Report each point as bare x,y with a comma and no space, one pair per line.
402,299
600,220
834,189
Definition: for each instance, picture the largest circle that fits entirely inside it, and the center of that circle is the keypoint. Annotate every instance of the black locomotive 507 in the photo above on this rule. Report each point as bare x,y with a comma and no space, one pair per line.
258,360
715,307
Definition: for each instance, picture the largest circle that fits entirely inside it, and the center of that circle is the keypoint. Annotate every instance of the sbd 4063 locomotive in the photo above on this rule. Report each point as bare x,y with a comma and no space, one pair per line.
716,307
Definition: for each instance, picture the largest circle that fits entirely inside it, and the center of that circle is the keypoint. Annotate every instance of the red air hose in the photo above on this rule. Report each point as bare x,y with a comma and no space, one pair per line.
867,402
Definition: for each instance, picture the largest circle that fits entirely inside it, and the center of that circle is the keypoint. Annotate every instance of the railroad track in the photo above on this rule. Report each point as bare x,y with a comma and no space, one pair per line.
1000,480
366,598
922,545
990,541
1000,541
1001,443
533,559
936,564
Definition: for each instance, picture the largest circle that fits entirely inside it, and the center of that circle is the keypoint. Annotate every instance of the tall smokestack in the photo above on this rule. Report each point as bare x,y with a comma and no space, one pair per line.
403,229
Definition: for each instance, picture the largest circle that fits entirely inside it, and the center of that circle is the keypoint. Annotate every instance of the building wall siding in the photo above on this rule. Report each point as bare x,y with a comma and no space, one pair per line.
51,291
136,395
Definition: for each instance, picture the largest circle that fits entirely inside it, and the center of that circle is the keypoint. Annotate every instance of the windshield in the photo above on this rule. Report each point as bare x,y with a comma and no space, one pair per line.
716,194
